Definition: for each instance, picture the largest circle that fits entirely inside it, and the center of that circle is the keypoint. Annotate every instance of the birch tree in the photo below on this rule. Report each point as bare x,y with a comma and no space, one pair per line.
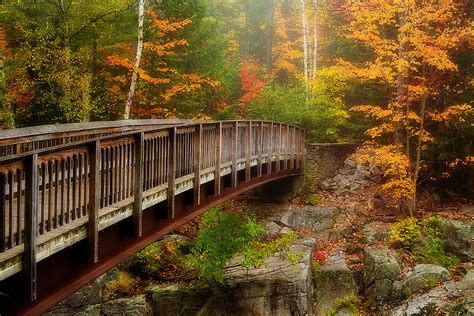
138,56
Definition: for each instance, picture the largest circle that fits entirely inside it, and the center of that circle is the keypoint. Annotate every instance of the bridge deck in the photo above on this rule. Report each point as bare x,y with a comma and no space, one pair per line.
61,187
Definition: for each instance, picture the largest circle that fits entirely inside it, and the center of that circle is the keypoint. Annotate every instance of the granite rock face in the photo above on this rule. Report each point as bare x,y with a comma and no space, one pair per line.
317,218
381,271
460,238
424,276
332,281
281,288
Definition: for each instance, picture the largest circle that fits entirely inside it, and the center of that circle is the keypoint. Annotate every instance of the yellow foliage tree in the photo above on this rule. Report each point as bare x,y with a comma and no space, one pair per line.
411,42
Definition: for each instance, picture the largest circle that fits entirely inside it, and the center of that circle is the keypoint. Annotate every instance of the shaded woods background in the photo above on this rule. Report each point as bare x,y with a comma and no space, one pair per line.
394,74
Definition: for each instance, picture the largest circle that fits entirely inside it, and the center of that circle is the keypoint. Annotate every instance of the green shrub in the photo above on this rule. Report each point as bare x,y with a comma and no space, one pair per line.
423,239
312,200
222,235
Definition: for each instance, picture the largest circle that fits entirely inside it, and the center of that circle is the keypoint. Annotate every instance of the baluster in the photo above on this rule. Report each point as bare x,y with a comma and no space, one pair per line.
2,212
18,207
50,195
74,186
79,199
10,208
68,188
43,188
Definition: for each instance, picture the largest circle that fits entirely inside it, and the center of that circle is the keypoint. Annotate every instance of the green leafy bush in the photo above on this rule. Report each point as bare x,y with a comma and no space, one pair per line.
223,234
312,200
423,239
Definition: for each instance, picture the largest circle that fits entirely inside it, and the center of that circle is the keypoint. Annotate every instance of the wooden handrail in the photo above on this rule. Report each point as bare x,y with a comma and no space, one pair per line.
96,181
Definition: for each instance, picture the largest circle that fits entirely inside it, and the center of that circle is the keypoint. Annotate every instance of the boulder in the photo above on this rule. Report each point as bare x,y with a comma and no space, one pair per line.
178,299
272,229
424,276
460,238
90,310
349,162
453,298
137,305
375,232
332,281
83,300
381,270
318,218
280,288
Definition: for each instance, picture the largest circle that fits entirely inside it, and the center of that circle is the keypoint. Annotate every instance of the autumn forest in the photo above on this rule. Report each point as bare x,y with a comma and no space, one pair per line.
394,76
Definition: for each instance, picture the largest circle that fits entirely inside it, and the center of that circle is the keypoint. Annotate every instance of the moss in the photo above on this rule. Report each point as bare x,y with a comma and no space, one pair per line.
124,286
350,301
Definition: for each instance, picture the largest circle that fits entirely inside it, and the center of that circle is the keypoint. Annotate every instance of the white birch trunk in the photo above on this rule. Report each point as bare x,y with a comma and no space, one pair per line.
305,44
315,43
133,83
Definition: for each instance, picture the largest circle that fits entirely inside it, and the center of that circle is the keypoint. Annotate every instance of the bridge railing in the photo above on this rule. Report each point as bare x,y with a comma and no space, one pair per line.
47,192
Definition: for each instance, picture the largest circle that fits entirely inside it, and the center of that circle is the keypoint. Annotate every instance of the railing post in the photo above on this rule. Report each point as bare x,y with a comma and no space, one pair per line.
31,213
248,151
94,189
197,164
217,171
291,147
138,187
171,171
278,153
235,136
303,153
270,151
260,153
286,151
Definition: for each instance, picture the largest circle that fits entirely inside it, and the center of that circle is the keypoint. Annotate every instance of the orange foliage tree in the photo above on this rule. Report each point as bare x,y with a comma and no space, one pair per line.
160,82
412,44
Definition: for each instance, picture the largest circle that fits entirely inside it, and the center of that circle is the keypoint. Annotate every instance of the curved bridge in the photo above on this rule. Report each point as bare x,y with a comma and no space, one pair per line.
76,199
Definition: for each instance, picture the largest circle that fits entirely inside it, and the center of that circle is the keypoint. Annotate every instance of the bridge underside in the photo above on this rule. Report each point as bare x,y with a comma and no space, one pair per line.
66,271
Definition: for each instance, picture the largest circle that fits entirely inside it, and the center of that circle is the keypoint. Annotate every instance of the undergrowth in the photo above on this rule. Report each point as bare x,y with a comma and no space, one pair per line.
423,239
350,301
223,235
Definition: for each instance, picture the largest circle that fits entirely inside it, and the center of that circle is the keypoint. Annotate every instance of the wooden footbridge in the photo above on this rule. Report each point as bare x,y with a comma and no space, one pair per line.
76,199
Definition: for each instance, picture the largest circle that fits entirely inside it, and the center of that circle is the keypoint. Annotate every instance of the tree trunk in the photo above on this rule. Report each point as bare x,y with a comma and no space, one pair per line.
402,83
315,42
305,45
133,83
269,53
